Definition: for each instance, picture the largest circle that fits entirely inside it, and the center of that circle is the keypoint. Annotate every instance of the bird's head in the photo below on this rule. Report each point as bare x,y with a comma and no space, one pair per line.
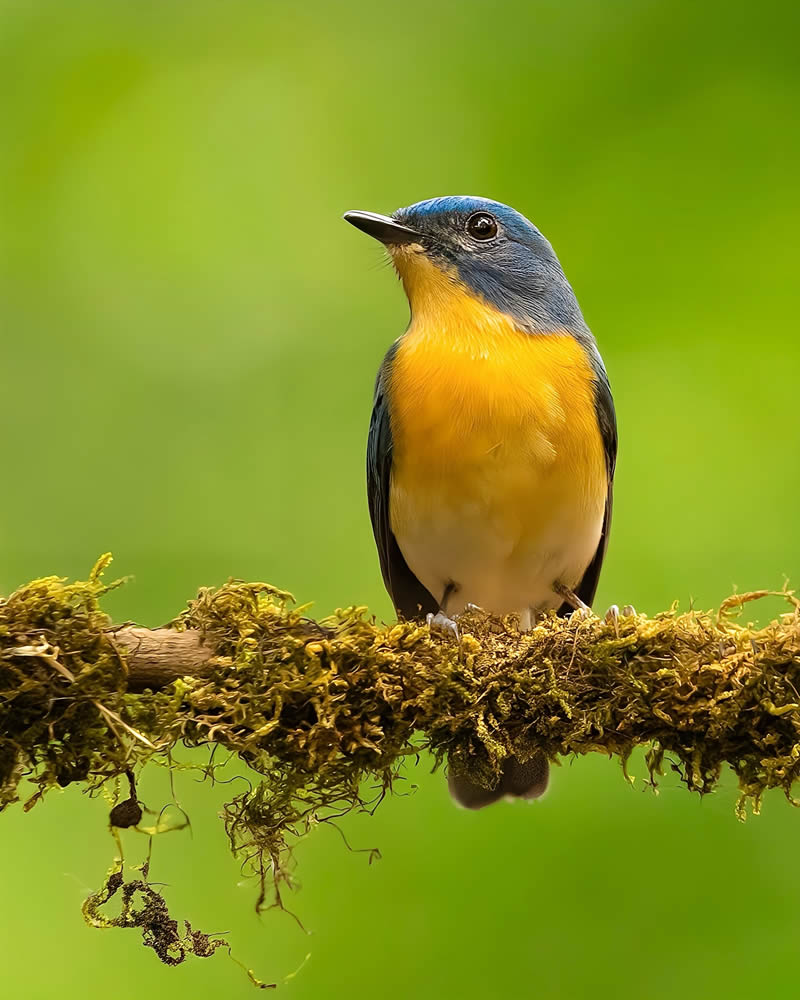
462,244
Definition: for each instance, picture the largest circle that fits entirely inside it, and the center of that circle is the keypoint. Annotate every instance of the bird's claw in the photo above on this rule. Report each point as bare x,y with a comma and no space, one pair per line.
571,598
612,616
475,609
442,623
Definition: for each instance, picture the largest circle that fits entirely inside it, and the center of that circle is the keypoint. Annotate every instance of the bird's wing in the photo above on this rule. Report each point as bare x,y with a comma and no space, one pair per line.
410,598
607,420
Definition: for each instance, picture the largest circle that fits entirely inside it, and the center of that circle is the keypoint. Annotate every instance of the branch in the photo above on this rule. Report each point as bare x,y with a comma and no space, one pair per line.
158,657
319,711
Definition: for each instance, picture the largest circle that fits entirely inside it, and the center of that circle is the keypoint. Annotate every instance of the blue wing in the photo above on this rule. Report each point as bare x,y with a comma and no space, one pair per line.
410,598
607,421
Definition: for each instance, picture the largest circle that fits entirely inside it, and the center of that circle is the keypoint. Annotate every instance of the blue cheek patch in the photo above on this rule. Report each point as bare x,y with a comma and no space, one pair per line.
518,273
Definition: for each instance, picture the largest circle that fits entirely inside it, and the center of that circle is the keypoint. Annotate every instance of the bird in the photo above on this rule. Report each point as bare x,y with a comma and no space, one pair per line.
493,439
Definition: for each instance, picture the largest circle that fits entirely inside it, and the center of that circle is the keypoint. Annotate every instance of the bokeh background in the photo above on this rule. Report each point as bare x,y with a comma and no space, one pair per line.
189,340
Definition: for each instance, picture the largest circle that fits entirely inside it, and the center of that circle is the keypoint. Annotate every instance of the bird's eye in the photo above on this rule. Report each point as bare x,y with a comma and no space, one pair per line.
482,226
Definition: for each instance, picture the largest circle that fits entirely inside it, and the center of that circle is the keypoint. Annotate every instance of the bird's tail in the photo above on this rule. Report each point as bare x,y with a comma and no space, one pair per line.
518,780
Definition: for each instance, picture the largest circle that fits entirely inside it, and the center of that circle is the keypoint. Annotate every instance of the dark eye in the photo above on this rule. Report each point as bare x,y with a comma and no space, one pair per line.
482,226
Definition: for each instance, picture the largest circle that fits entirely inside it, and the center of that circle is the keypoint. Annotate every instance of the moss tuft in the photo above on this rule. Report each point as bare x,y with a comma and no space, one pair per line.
62,688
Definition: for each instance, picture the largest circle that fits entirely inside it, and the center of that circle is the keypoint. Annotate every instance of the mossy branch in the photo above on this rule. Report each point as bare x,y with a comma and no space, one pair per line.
320,710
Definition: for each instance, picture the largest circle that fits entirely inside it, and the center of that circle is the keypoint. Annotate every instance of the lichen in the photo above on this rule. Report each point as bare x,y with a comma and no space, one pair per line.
321,710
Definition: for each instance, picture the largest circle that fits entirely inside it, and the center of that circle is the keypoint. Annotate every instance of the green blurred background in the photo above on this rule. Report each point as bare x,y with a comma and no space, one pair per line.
189,340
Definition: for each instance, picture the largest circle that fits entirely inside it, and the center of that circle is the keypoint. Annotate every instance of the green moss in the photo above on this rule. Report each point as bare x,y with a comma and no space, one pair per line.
57,667
319,709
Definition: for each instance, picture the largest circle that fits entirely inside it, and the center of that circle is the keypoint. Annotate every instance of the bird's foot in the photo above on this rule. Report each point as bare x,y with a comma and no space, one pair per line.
612,616
474,612
476,609
571,598
442,623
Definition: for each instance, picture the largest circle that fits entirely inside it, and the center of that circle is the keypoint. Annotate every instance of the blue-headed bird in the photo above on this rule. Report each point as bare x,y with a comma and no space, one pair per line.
493,439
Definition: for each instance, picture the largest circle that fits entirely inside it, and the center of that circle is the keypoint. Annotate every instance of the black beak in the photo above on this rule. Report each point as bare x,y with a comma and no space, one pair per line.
382,228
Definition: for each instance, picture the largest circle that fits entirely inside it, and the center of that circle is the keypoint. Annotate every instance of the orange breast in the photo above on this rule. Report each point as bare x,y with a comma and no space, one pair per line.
479,407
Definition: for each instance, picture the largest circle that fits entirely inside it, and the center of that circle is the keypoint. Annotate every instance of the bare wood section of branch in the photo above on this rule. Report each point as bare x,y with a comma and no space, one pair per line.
157,657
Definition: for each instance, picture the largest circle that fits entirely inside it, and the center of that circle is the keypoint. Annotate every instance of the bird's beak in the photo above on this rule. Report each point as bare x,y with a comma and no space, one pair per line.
382,228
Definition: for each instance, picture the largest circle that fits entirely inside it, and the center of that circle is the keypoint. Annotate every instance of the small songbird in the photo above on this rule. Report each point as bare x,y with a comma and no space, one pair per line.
493,438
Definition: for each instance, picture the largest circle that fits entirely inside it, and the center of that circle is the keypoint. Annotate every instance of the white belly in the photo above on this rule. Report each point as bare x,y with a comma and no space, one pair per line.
493,558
